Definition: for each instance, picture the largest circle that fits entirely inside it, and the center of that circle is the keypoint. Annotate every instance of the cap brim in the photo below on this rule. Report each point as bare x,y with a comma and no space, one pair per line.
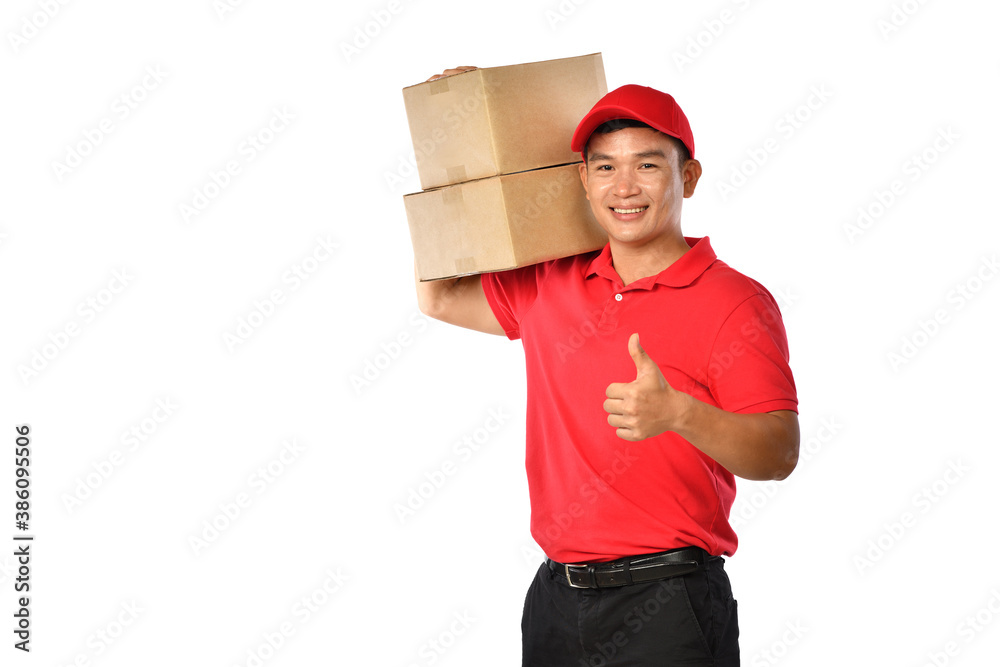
600,116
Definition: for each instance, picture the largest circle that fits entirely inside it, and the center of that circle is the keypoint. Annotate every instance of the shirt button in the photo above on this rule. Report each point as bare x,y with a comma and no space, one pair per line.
618,297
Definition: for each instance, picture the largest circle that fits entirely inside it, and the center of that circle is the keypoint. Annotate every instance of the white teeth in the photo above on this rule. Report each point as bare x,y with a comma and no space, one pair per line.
628,210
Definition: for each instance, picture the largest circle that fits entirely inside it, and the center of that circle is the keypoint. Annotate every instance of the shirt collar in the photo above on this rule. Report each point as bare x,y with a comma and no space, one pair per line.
681,273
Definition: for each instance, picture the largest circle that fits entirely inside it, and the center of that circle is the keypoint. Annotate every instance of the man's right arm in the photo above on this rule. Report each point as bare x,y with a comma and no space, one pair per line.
458,301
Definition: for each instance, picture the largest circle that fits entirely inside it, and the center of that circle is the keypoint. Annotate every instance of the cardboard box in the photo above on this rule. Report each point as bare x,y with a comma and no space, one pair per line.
501,222
500,120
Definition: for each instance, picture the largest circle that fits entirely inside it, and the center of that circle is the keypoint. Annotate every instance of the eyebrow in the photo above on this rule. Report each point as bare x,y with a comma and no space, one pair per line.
645,154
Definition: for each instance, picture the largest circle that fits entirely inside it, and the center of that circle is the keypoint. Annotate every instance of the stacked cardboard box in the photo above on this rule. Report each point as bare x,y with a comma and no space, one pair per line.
501,185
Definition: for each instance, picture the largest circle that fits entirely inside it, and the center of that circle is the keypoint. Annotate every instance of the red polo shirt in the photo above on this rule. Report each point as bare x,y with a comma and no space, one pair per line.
714,333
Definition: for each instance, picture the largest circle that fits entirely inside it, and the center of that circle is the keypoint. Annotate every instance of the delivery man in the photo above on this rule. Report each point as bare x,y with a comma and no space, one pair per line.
655,373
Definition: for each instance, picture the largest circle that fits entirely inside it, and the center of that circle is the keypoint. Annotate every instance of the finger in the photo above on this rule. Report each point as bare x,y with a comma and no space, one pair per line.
619,421
627,434
452,72
614,406
616,389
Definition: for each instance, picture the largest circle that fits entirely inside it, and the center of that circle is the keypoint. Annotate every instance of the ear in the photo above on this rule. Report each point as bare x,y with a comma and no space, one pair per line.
690,172
583,177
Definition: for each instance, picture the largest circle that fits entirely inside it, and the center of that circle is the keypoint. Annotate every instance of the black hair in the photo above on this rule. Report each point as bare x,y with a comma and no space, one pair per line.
607,127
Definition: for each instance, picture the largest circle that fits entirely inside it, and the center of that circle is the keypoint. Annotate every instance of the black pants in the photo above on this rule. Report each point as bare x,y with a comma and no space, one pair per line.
687,620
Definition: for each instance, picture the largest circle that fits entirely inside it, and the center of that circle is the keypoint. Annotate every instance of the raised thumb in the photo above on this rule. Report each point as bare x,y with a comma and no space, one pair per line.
639,356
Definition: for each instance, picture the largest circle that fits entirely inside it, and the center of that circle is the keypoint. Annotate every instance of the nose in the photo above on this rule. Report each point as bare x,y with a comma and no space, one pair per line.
626,185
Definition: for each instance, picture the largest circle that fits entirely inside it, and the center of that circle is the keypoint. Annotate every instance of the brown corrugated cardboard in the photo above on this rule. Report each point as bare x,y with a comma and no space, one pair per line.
501,222
500,120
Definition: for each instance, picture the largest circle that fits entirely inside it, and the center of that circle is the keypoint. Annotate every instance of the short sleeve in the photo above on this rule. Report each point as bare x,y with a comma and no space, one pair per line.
748,367
511,294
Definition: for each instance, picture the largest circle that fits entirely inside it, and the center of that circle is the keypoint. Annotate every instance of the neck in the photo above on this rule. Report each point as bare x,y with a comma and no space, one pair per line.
637,262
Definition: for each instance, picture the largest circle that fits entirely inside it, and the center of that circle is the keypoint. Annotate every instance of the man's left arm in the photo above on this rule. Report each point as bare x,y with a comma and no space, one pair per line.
758,446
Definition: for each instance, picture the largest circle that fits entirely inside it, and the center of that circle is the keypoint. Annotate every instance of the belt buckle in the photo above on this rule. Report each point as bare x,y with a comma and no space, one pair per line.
584,568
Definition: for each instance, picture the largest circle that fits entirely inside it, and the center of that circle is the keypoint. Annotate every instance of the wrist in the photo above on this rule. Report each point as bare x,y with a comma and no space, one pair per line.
686,414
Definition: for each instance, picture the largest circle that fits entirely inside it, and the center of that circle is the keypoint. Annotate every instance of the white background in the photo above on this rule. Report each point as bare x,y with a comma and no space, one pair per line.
847,551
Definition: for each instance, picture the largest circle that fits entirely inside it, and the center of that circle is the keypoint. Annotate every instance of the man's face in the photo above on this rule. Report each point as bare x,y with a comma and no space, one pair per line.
635,185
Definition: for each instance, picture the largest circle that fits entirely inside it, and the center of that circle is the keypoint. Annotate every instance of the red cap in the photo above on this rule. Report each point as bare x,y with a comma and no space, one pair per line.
647,105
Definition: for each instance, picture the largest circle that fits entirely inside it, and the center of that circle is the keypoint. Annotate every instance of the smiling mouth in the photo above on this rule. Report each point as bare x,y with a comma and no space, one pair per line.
626,211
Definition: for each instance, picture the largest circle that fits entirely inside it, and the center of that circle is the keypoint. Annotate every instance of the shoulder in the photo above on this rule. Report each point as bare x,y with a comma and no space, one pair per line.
731,287
574,267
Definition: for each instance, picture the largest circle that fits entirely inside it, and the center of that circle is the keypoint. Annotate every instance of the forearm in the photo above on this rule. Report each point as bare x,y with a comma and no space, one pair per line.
759,446
433,296
458,301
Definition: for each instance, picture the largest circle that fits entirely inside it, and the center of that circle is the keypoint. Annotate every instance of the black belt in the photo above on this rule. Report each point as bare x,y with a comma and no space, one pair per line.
633,570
